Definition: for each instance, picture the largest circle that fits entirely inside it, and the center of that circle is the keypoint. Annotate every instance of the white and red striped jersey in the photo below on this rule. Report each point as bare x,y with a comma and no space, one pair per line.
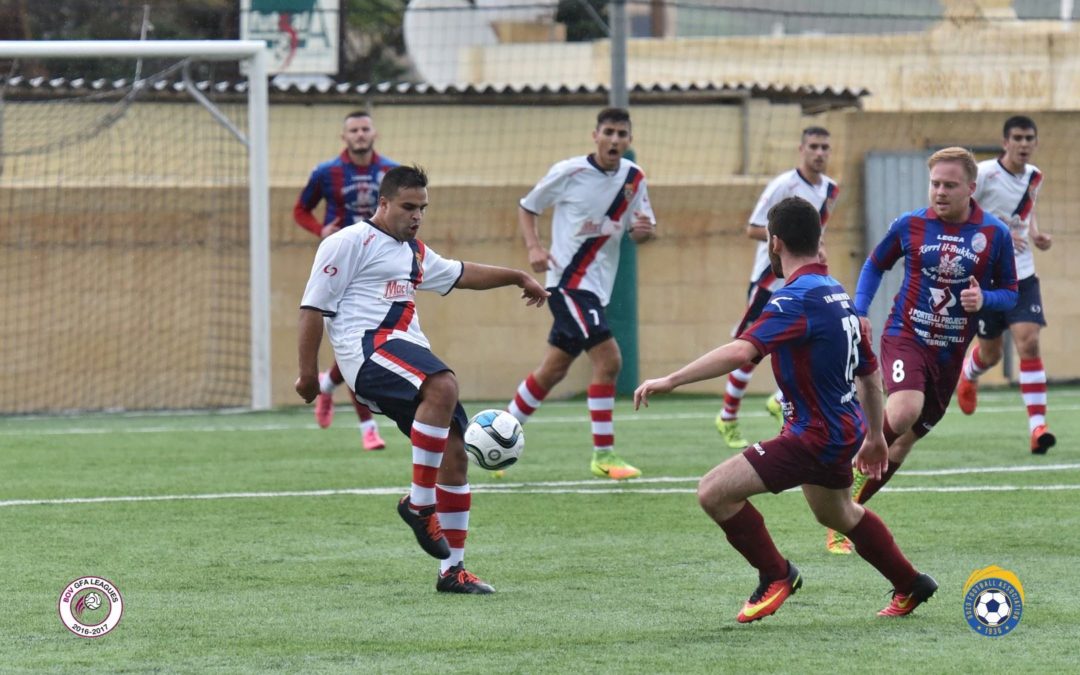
364,282
788,184
593,209
1011,197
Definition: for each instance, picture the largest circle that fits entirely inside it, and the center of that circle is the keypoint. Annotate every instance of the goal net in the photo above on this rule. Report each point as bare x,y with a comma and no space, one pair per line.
126,248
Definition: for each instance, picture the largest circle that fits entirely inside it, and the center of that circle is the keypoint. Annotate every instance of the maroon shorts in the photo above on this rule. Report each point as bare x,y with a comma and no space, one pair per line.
908,365
786,461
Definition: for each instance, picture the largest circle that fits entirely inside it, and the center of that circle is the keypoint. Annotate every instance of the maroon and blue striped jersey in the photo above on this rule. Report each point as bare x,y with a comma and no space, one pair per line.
351,191
811,329
939,258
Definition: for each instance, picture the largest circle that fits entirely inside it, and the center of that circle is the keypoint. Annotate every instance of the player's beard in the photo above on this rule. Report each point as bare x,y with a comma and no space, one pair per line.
776,265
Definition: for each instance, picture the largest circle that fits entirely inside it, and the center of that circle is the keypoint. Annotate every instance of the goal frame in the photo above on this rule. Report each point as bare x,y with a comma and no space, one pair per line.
256,55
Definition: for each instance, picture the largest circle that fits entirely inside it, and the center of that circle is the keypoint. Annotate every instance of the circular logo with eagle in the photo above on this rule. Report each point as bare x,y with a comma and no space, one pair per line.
91,606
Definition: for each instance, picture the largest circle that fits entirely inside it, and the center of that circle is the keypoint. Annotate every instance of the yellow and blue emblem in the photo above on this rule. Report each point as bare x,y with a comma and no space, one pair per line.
993,601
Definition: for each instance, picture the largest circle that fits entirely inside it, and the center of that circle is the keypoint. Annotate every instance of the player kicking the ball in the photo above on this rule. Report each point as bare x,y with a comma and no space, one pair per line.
820,359
362,287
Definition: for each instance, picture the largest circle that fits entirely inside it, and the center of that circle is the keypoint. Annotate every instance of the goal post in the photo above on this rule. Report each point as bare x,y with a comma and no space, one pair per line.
254,55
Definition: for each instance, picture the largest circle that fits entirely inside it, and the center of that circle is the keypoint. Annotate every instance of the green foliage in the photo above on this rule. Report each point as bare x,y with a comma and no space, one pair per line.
592,576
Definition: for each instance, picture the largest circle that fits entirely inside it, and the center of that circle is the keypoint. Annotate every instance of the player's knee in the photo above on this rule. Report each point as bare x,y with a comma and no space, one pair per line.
440,389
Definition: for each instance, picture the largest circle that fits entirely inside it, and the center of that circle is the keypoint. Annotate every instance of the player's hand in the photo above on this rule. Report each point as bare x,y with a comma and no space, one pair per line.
866,329
642,229
658,386
971,298
1019,242
1042,241
532,292
540,260
872,458
308,387
330,228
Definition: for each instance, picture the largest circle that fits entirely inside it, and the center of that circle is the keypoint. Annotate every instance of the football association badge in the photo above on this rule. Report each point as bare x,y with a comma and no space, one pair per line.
993,601
91,606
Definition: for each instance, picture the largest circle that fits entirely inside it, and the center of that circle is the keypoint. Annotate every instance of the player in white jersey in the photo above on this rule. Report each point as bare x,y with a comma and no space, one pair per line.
1007,187
597,199
362,290
809,182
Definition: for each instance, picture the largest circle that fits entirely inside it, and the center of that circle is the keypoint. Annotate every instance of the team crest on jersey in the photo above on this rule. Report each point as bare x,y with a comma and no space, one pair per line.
941,299
399,290
978,242
950,266
628,191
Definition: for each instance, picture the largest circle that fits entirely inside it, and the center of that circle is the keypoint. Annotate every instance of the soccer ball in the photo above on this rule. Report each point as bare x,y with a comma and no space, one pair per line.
494,439
93,601
992,607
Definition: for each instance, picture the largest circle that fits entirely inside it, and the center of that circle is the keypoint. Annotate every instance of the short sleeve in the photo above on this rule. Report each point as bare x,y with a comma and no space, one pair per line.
440,274
547,191
783,320
334,266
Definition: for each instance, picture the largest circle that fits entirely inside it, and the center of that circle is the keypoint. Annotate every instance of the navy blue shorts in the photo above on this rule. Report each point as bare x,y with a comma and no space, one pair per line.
1028,309
580,323
389,382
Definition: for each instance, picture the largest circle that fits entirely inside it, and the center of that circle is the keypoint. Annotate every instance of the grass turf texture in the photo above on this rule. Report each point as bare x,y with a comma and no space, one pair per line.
592,576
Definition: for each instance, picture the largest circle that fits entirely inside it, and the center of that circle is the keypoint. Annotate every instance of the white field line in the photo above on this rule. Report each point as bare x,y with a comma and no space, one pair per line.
558,487
300,426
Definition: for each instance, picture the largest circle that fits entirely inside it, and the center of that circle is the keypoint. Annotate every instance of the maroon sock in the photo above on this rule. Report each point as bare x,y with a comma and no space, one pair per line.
872,485
746,532
335,374
876,545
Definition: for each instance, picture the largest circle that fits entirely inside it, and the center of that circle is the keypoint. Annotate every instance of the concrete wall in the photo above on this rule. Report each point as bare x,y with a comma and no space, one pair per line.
80,304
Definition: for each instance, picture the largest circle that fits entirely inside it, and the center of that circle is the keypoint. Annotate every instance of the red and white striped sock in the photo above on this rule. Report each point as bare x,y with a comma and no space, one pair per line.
528,398
973,365
428,444
1033,389
736,389
452,503
601,407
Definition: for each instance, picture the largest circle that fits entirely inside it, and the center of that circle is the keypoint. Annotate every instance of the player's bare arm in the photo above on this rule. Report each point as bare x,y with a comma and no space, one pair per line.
719,361
873,457
757,232
311,331
479,277
539,257
642,229
1041,239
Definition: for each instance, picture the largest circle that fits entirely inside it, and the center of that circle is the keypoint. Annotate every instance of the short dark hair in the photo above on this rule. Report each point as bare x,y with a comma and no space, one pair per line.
1018,122
402,178
798,225
615,115
814,131
358,113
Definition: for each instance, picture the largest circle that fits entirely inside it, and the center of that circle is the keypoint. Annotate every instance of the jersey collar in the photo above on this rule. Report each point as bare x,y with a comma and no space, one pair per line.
345,157
592,161
974,218
810,268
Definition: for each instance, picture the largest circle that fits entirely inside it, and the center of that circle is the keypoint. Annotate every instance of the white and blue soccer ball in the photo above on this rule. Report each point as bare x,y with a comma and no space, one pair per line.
494,439
992,607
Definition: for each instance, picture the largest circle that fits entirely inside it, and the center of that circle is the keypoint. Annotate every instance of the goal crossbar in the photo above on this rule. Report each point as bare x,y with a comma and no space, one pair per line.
256,54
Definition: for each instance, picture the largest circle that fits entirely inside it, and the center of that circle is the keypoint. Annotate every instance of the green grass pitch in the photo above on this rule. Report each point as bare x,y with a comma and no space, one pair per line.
255,542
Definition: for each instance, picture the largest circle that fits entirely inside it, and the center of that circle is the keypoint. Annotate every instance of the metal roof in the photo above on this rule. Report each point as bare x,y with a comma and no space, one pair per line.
810,96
